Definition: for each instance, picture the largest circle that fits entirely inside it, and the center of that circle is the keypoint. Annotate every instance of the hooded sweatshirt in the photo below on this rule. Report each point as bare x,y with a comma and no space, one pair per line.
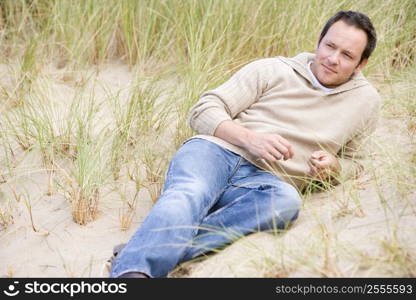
278,96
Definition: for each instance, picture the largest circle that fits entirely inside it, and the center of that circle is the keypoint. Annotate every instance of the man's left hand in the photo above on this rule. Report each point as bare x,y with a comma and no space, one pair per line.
322,164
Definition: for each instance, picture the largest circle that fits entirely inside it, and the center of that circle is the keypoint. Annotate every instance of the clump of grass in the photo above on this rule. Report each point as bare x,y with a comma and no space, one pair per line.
398,258
128,210
155,164
6,214
85,172
145,114
394,257
128,189
401,100
33,126
85,178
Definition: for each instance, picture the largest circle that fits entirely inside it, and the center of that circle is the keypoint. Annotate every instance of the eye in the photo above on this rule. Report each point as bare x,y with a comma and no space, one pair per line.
330,45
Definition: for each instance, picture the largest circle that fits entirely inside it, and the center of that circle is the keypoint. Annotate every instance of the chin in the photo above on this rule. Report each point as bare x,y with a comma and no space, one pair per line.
327,82
329,85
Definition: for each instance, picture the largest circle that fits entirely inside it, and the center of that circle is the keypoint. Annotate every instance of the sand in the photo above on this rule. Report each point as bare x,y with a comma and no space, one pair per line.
331,238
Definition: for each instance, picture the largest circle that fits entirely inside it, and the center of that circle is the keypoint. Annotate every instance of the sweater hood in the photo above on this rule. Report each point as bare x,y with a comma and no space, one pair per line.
300,64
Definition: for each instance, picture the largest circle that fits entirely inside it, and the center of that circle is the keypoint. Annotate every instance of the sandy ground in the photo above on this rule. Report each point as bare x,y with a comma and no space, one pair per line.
328,240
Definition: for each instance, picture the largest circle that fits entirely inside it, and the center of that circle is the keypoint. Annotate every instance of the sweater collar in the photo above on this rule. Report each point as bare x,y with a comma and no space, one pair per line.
300,64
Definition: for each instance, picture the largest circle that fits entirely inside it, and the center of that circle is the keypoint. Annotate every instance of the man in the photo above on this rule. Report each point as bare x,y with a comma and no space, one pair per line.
274,126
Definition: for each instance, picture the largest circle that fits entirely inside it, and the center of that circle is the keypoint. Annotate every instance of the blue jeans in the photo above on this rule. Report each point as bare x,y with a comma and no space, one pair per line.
211,197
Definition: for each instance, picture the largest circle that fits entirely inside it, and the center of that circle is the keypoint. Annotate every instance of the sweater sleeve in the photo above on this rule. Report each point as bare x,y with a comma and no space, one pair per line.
229,99
352,154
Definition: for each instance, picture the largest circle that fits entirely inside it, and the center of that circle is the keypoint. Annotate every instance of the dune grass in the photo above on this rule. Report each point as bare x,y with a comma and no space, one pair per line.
99,137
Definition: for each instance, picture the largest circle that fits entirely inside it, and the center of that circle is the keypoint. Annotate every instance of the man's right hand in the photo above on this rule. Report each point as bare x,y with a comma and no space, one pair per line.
270,147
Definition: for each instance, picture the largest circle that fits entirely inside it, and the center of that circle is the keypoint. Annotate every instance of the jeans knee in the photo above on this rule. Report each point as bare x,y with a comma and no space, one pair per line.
187,201
286,208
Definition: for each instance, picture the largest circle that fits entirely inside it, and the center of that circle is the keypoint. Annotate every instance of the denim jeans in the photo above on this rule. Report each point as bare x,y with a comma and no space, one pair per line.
211,197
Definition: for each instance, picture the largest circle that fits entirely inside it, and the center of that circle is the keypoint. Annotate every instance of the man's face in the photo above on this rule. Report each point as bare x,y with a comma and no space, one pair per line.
338,54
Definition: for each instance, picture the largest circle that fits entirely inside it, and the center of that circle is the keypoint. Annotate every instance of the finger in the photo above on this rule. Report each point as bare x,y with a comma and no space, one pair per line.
288,145
313,171
291,152
318,172
283,140
321,164
316,163
269,157
318,154
275,153
281,148
315,155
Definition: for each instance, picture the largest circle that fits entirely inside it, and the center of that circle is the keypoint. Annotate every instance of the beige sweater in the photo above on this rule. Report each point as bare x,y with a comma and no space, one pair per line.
276,95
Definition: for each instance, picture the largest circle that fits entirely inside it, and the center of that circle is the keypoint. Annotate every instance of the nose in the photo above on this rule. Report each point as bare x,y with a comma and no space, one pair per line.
334,58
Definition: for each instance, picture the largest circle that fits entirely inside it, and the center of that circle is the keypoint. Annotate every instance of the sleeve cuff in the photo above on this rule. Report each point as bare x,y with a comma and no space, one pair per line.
209,121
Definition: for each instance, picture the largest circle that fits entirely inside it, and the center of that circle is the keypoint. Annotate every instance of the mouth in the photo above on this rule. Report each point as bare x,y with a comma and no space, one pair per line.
329,69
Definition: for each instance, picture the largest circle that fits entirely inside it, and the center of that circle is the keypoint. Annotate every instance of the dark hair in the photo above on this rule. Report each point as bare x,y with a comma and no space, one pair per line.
360,21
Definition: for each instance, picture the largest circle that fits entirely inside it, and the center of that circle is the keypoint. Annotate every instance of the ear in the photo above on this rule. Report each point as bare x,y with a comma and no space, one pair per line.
361,65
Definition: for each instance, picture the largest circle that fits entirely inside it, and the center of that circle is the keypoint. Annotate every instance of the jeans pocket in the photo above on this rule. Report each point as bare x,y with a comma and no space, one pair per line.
257,185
